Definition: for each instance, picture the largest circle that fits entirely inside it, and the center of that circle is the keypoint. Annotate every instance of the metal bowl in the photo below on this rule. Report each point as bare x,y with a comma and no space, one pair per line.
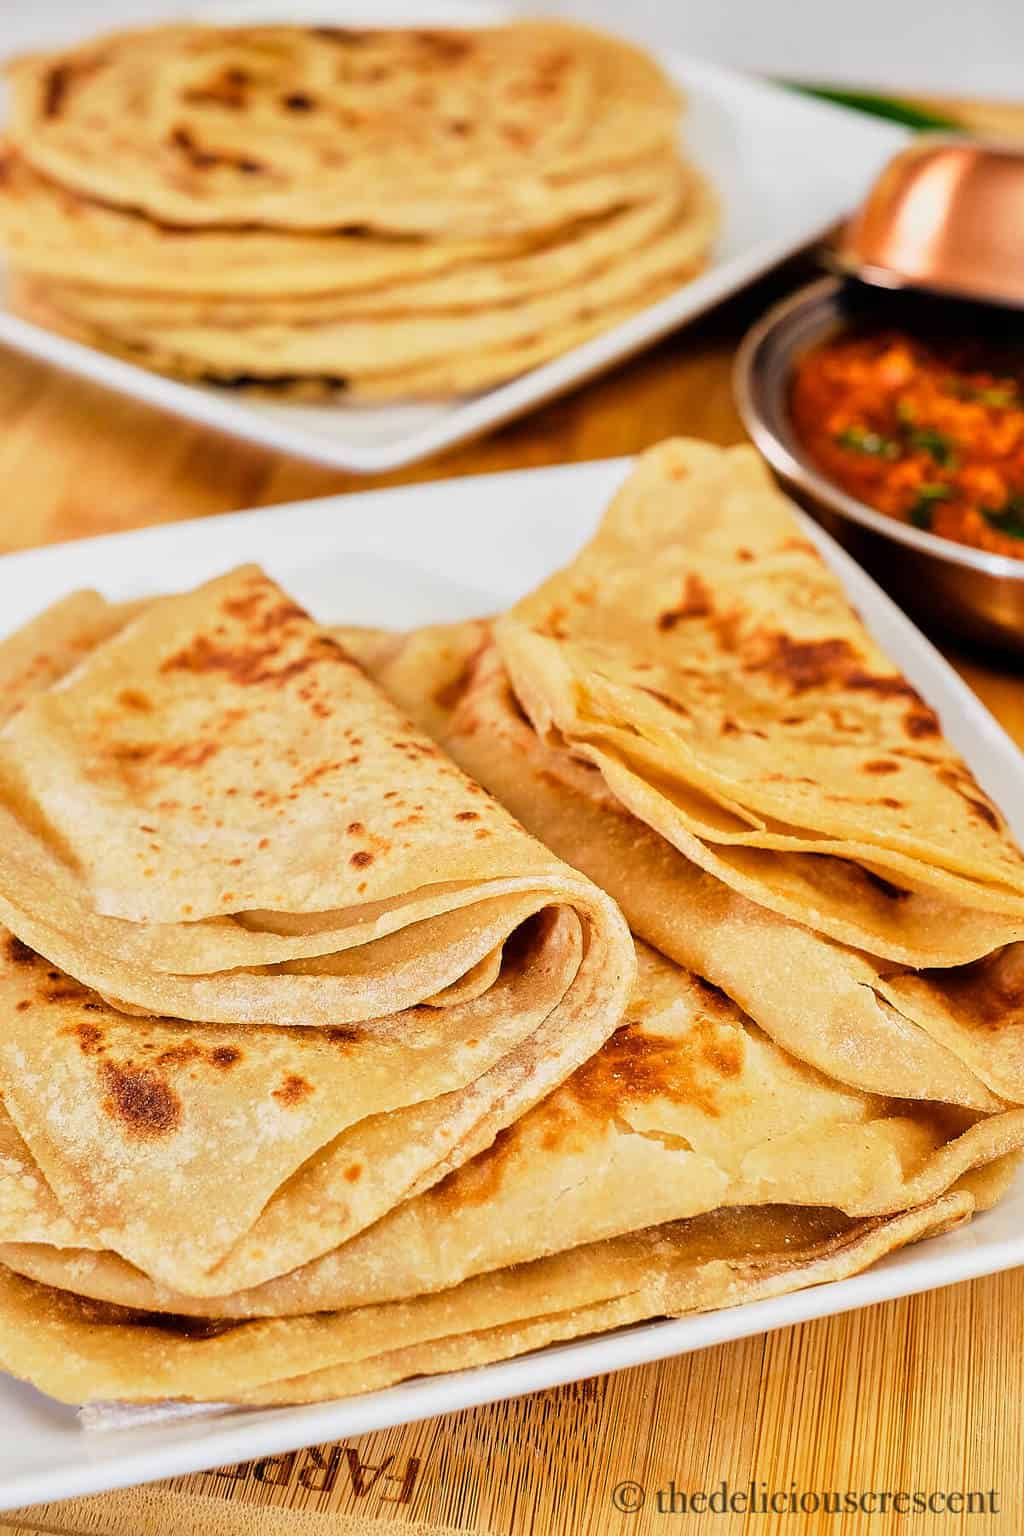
977,595
945,215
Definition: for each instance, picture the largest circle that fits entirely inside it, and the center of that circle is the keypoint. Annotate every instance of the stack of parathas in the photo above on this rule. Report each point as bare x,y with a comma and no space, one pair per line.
354,1175
404,213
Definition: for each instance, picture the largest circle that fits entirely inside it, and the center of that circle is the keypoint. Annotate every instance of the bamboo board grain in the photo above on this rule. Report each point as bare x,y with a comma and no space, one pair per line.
922,1394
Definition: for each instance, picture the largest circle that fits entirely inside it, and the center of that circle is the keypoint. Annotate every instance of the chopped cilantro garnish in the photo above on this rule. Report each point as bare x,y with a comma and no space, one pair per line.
1004,396
920,513
1005,399
863,440
1008,519
933,442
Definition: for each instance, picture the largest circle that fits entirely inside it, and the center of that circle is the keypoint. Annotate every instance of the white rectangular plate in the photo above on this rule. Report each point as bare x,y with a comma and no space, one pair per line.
785,168
468,547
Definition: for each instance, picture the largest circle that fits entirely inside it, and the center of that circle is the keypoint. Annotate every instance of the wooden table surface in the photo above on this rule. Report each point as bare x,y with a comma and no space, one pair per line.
926,1393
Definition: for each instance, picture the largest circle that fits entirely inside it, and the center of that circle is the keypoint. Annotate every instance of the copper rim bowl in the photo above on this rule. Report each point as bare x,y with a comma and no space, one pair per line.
979,596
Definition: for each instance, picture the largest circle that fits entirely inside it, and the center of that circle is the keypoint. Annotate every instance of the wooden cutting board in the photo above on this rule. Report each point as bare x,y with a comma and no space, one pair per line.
925,1394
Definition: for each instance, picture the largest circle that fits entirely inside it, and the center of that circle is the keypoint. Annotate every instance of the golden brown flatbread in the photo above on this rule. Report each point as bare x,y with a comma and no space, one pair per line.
110,265
688,1108
322,338
221,742
700,653
80,1351
487,132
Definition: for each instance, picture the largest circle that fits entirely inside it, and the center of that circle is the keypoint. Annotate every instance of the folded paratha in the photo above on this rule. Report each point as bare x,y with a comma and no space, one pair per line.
928,1003
221,741
701,654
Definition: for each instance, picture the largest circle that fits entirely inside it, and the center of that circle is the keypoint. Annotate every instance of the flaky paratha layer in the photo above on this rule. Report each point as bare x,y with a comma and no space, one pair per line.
80,1351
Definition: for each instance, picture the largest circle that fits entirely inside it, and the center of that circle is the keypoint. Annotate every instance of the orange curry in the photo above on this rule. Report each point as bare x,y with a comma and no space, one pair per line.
931,432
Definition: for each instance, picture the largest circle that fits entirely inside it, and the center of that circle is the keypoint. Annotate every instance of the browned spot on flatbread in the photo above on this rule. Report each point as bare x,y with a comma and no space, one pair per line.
554,625
921,721
91,1038
262,620
128,752
354,1172
146,1106
361,859
56,84
186,754
635,1066
345,36
65,990
189,754
204,158
19,953
249,664
722,1050
963,782
224,1056
833,663
313,775
224,90
880,765
696,603
446,47
59,80
292,1090
804,664
344,1034
135,699
181,1055
884,687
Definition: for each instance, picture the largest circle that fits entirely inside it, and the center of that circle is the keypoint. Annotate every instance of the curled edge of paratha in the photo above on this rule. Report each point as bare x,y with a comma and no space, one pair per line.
79,1352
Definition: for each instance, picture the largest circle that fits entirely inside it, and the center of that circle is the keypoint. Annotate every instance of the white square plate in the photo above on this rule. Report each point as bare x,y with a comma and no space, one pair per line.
785,167
468,546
